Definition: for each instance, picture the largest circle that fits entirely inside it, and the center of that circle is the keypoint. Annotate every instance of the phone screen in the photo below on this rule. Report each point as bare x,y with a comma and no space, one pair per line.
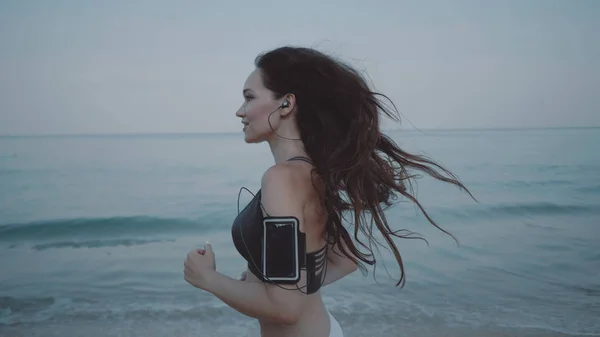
280,250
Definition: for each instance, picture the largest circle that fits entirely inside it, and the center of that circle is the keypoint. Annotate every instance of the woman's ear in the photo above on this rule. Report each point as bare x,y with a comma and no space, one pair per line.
288,104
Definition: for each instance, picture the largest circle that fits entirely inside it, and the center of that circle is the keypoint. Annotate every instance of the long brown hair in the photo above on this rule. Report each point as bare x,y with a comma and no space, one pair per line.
363,170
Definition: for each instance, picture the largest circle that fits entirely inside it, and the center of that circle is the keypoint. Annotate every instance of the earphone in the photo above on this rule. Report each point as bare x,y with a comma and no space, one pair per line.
283,105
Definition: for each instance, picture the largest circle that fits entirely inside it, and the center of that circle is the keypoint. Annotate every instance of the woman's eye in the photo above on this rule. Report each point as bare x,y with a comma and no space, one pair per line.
248,98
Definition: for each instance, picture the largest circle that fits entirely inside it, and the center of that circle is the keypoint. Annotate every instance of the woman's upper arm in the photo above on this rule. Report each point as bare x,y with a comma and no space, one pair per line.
280,197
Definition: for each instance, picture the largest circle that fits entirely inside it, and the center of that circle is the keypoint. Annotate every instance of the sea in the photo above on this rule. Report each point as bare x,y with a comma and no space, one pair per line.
94,231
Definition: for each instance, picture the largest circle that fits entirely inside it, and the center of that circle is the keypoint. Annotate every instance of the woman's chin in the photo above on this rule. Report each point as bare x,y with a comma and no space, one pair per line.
249,138
253,140
252,137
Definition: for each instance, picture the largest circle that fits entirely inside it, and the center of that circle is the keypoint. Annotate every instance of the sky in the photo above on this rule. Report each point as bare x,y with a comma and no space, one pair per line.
124,66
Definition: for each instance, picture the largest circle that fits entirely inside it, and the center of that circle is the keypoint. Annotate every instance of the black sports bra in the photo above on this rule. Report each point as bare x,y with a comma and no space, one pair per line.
247,232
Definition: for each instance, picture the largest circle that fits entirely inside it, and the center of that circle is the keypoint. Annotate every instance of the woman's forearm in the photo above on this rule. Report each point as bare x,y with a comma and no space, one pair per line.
248,298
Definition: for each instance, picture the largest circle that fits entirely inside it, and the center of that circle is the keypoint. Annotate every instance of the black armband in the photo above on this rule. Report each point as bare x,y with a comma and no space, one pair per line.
283,249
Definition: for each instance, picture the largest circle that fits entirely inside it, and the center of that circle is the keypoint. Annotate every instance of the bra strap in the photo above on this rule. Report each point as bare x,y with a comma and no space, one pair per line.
301,158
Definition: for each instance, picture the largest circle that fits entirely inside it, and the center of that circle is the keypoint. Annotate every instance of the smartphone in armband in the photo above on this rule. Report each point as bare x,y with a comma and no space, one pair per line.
282,249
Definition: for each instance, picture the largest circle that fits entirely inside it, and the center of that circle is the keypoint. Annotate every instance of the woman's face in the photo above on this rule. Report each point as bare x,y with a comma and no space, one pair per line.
258,105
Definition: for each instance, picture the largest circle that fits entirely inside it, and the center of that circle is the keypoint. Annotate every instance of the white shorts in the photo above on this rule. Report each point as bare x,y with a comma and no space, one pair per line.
335,329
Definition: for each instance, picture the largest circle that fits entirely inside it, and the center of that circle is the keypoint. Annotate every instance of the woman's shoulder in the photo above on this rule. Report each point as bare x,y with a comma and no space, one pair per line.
286,176
285,186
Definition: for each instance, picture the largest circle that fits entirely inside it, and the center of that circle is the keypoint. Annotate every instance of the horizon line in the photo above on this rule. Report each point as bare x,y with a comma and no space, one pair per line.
164,133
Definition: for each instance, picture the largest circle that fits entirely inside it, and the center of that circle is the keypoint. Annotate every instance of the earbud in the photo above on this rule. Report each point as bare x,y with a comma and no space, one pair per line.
285,104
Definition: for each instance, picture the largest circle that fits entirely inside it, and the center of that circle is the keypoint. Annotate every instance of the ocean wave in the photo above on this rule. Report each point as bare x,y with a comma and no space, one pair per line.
22,305
525,184
594,189
14,311
379,313
18,311
96,243
575,168
85,228
522,210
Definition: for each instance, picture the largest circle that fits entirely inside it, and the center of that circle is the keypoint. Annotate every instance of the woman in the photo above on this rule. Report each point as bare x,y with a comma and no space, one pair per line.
322,123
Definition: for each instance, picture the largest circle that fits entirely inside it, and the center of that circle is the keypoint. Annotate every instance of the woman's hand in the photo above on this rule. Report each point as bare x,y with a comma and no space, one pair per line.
200,266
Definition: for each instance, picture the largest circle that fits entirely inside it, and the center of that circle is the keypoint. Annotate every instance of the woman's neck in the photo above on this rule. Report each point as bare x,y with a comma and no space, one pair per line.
283,149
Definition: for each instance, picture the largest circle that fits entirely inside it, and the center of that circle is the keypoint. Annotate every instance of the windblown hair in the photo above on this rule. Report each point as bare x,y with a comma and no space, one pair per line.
362,170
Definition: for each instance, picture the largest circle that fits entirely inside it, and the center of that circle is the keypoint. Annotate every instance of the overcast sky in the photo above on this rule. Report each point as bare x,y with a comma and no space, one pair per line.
178,66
